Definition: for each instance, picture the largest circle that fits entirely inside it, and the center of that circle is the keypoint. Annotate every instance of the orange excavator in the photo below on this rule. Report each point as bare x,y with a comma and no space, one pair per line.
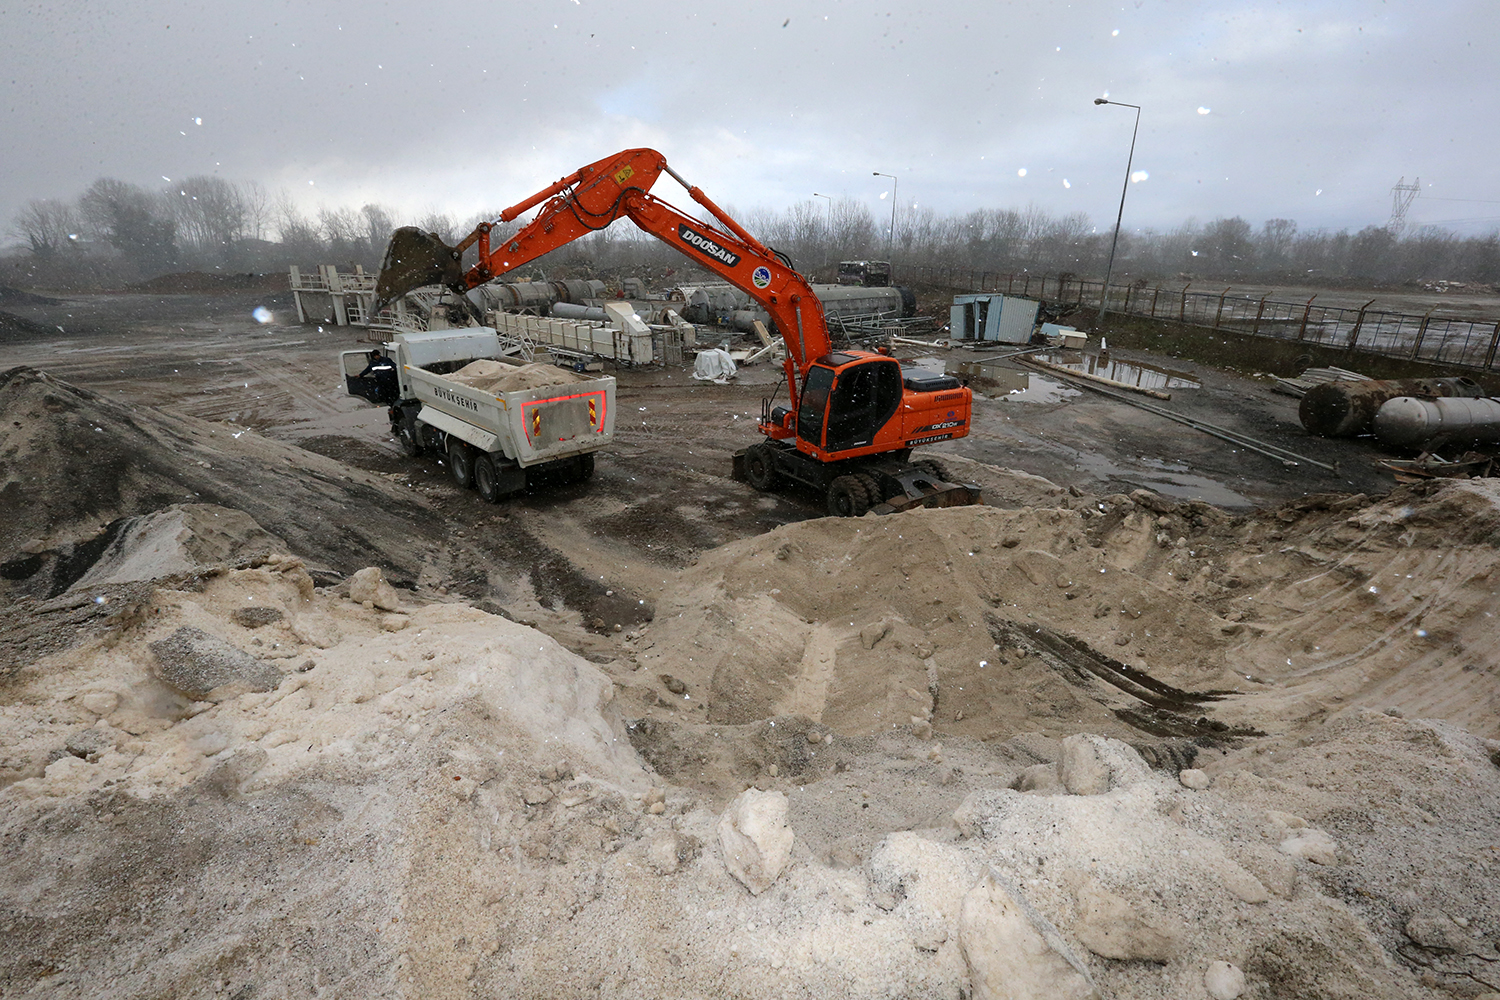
853,416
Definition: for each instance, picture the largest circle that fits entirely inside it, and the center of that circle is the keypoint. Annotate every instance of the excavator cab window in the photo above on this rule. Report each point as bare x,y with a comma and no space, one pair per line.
814,404
864,400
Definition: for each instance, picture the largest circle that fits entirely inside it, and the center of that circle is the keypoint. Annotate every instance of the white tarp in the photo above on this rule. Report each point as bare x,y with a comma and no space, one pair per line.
714,365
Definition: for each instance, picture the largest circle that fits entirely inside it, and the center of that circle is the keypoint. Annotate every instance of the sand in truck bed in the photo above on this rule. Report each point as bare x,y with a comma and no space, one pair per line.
497,376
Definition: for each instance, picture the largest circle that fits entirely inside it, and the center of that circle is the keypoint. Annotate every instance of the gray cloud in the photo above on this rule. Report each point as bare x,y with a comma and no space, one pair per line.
466,107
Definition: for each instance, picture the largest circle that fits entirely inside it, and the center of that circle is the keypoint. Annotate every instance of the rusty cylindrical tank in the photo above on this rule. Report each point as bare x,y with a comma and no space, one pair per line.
1347,409
1405,422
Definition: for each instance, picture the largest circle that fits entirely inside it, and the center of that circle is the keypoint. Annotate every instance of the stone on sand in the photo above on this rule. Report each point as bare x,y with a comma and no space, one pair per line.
369,584
1092,765
1223,980
1193,778
755,839
1312,844
1109,926
195,663
1010,953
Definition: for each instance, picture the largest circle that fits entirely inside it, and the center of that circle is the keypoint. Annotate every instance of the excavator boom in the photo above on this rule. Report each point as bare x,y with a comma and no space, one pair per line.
594,197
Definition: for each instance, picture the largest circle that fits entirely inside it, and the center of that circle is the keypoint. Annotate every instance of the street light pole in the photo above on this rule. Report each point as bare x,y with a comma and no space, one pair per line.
1129,163
890,240
829,243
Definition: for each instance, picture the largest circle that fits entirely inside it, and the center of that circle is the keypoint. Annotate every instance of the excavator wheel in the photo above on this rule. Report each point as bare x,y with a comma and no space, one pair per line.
460,463
934,468
486,479
760,467
847,497
872,487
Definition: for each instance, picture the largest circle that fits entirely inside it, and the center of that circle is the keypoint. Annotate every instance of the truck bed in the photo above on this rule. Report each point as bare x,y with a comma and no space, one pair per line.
529,425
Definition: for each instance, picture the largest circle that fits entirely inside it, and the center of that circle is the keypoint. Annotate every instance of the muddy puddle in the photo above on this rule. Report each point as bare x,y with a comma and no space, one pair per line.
1136,373
995,381
1169,478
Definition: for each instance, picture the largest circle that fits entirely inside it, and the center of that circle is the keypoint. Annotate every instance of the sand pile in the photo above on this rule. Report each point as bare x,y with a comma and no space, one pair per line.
17,297
978,751
496,376
1129,614
434,802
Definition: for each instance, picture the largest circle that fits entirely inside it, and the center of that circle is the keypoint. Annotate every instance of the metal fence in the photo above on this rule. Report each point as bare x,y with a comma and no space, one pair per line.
1453,342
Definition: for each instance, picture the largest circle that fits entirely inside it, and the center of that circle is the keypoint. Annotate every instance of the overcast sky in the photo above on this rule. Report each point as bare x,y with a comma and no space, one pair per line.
1304,110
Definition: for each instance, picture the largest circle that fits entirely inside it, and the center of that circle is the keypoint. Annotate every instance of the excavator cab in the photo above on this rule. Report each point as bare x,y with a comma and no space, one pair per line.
847,399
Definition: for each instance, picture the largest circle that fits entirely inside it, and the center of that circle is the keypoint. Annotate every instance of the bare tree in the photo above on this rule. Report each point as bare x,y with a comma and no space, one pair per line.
378,229
440,223
1276,242
299,237
134,221
1227,247
853,229
210,214
258,211
49,226
1370,253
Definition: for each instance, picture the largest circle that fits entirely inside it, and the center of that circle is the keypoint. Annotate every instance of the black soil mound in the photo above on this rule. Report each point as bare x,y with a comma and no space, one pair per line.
191,282
15,297
73,462
16,328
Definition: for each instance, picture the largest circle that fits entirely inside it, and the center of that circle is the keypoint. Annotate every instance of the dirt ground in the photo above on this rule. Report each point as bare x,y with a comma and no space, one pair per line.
1161,715
599,555
205,356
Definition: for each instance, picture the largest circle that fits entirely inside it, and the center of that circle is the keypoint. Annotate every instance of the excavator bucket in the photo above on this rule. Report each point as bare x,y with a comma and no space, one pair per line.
935,495
413,259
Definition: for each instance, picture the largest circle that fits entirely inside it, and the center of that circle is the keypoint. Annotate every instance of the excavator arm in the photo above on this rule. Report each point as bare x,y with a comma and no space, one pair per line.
594,197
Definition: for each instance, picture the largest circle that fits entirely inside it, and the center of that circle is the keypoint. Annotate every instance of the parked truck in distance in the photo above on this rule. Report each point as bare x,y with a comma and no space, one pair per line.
865,273
498,423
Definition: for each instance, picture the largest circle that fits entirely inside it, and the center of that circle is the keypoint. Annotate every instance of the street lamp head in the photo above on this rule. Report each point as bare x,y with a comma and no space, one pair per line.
1100,100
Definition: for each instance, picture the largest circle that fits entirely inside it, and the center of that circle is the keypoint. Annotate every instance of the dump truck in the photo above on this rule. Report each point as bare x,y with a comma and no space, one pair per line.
496,422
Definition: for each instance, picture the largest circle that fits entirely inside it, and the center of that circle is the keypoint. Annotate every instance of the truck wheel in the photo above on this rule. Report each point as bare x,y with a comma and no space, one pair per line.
460,463
486,479
760,467
847,497
585,467
411,444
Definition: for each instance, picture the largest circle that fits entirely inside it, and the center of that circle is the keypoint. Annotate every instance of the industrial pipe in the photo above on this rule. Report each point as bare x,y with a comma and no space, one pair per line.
570,310
1347,409
1405,422
510,296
